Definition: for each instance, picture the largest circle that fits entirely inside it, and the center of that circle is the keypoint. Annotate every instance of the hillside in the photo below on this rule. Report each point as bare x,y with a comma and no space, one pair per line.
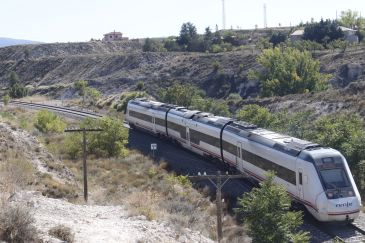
118,66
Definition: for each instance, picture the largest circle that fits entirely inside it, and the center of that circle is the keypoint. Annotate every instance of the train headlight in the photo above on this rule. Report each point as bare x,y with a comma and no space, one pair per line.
351,193
330,194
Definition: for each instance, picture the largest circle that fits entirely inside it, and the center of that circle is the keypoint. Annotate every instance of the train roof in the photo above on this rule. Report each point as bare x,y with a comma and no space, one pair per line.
284,143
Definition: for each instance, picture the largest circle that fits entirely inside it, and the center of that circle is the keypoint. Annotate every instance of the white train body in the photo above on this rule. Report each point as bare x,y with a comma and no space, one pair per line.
315,176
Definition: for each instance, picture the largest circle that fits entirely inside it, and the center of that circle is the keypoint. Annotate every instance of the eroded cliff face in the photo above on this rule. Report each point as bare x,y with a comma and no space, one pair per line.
118,66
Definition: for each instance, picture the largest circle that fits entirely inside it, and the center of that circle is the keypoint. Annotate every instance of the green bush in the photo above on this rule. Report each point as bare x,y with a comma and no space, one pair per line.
110,142
289,71
6,99
47,121
266,210
126,97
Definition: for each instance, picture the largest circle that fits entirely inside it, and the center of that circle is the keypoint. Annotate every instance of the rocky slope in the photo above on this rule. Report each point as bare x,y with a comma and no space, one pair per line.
118,66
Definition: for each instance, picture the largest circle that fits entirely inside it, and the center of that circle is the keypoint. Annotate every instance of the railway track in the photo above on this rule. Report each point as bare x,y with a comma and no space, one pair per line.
59,109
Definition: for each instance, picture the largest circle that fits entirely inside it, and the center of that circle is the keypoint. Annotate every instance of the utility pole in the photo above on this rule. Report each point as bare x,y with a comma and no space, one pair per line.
218,185
84,130
223,15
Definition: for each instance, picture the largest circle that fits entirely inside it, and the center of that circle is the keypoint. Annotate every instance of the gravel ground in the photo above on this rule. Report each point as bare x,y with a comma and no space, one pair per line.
91,223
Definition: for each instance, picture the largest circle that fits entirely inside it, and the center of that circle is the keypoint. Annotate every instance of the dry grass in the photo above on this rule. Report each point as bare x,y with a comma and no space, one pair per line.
62,232
148,189
16,225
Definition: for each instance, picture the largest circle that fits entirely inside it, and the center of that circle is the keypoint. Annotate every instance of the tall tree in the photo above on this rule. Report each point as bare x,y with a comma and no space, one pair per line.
188,34
16,89
266,210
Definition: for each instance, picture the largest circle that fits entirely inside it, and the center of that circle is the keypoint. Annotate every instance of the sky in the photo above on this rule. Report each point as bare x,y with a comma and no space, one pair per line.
81,20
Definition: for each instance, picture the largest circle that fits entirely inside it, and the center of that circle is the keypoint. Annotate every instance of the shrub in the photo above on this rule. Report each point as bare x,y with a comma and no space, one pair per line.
62,232
109,142
47,121
6,99
289,71
54,189
126,97
16,224
216,66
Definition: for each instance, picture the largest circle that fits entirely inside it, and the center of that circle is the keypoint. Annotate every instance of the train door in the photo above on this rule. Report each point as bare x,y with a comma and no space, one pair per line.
153,123
300,183
187,136
239,163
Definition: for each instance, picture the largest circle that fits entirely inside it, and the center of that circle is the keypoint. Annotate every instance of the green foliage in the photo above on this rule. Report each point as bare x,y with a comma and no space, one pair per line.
277,38
171,45
266,210
344,132
110,142
210,105
126,97
263,44
257,115
16,90
47,121
188,35
323,31
306,45
180,179
140,85
153,46
80,86
92,95
289,71
352,19
339,44
216,66
6,99
178,94
341,131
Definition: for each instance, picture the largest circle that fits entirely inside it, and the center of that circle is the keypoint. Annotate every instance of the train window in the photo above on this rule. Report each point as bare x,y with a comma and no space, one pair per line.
327,160
300,178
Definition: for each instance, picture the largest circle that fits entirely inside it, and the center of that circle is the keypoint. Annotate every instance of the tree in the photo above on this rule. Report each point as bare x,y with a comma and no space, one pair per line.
267,212
277,38
153,46
178,94
188,33
351,19
210,105
92,95
323,32
208,39
257,115
344,132
289,71
47,121
16,90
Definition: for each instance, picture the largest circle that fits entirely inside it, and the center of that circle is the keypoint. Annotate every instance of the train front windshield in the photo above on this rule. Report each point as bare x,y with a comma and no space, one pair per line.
335,180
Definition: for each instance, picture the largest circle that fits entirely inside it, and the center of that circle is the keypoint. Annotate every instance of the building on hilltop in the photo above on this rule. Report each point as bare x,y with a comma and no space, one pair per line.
114,36
297,35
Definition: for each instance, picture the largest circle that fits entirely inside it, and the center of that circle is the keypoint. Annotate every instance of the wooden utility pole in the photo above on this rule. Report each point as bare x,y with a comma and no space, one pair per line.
218,185
84,130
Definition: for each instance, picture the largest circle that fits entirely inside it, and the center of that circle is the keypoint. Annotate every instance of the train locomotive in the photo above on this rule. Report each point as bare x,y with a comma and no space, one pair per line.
317,177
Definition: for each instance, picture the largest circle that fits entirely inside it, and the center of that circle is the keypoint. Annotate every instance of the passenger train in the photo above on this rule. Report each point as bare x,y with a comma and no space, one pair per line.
317,177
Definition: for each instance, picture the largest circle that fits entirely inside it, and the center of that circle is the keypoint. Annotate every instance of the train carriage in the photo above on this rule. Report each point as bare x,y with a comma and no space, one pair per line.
315,176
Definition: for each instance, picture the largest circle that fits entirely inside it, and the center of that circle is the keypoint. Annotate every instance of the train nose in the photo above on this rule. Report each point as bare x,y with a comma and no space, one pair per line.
342,209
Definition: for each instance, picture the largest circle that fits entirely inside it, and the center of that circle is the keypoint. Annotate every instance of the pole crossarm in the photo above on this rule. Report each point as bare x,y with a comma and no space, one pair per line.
83,129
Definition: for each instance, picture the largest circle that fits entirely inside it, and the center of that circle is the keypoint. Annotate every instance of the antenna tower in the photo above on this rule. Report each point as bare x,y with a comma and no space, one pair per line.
223,15
265,18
